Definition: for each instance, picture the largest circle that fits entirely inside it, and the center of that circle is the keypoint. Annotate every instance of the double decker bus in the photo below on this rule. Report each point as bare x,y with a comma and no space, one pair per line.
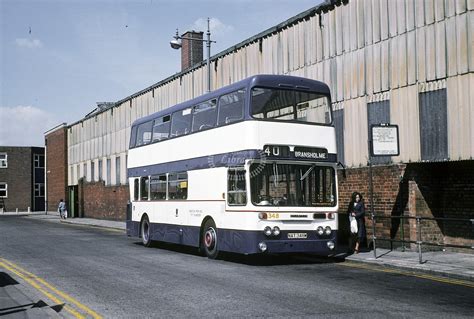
249,168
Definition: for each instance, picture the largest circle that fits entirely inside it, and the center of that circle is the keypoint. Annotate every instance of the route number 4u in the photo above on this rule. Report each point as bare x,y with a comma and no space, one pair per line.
272,151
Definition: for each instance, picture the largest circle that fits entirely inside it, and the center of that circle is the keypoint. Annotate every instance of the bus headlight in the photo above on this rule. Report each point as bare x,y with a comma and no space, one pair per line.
320,231
267,231
330,245
327,231
276,231
262,246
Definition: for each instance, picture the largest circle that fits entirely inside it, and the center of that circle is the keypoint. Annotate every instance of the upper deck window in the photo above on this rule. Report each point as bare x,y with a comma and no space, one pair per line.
231,107
204,115
181,122
161,128
287,105
144,133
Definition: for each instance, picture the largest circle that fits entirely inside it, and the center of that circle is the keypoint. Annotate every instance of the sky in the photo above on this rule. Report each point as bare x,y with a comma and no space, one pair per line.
59,57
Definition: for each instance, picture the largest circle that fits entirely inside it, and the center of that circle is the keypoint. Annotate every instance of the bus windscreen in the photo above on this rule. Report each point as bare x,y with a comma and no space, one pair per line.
294,185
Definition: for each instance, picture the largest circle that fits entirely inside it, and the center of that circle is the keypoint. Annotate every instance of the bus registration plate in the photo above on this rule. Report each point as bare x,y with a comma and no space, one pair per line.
297,235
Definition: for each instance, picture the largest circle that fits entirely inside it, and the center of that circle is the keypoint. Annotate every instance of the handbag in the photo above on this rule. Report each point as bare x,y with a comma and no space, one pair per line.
353,223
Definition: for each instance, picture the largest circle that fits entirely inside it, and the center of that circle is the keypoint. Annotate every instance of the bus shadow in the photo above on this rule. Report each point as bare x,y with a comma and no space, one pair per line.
253,260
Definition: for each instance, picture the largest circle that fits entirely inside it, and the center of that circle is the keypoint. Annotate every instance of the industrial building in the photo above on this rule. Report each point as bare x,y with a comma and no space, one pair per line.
407,62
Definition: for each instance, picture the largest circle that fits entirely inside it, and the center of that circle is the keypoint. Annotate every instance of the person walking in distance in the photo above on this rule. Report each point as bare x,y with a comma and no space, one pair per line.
356,210
62,209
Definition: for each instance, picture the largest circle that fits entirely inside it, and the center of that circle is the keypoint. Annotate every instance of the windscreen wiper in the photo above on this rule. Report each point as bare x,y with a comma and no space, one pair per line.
307,172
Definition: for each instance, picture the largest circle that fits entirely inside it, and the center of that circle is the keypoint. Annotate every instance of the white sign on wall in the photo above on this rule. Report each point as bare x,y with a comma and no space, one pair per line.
385,140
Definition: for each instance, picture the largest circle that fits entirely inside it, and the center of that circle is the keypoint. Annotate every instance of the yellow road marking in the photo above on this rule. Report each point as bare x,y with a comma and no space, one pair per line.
33,280
412,274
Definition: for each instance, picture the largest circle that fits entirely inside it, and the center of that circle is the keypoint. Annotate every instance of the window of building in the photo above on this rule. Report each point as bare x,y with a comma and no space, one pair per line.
378,112
39,190
205,115
181,122
144,188
161,128
101,177
231,107
158,187
434,125
178,186
84,171
4,190
39,161
3,160
236,187
126,170
117,170
109,172
93,171
339,126
136,188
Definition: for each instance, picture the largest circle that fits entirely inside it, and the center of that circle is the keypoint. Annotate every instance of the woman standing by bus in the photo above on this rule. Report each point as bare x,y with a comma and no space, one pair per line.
356,209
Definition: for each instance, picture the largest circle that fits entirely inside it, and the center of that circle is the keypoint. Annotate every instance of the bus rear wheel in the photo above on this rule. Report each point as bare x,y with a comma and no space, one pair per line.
145,230
209,239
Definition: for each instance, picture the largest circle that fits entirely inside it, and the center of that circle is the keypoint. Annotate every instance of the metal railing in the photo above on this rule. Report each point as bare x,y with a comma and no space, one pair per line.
419,241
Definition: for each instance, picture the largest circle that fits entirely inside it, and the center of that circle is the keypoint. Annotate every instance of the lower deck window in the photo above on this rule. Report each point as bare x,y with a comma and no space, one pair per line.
178,186
158,187
136,183
144,188
236,187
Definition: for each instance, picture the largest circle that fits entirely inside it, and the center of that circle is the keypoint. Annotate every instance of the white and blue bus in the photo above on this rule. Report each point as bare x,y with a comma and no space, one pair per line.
249,168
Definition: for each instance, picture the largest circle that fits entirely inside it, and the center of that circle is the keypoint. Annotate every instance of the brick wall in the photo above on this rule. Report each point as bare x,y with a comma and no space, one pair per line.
18,175
418,189
56,167
104,202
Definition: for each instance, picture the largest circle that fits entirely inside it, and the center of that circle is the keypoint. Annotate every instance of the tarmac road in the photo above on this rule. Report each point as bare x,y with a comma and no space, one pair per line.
116,276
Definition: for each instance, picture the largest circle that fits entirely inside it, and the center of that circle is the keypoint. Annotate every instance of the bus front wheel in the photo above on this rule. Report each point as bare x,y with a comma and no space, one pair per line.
209,239
145,230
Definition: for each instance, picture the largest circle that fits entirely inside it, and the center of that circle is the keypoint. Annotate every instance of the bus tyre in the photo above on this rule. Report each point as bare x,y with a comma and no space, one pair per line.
209,239
145,231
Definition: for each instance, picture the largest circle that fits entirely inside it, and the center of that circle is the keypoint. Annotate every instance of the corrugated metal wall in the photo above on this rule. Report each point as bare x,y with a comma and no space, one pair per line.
366,50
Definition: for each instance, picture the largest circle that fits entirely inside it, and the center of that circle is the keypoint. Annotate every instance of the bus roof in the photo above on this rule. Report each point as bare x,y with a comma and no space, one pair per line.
262,80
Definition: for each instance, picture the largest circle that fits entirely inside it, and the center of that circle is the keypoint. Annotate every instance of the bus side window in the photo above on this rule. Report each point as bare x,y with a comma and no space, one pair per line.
204,115
236,187
181,122
161,128
144,188
178,186
158,187
136,185
144,133
231,107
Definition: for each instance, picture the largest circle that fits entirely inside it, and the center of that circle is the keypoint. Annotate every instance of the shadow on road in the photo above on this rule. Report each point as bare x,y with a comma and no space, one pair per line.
6,280
255,260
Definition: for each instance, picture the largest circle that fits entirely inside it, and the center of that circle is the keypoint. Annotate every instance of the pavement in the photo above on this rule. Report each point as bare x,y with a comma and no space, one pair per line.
18,302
